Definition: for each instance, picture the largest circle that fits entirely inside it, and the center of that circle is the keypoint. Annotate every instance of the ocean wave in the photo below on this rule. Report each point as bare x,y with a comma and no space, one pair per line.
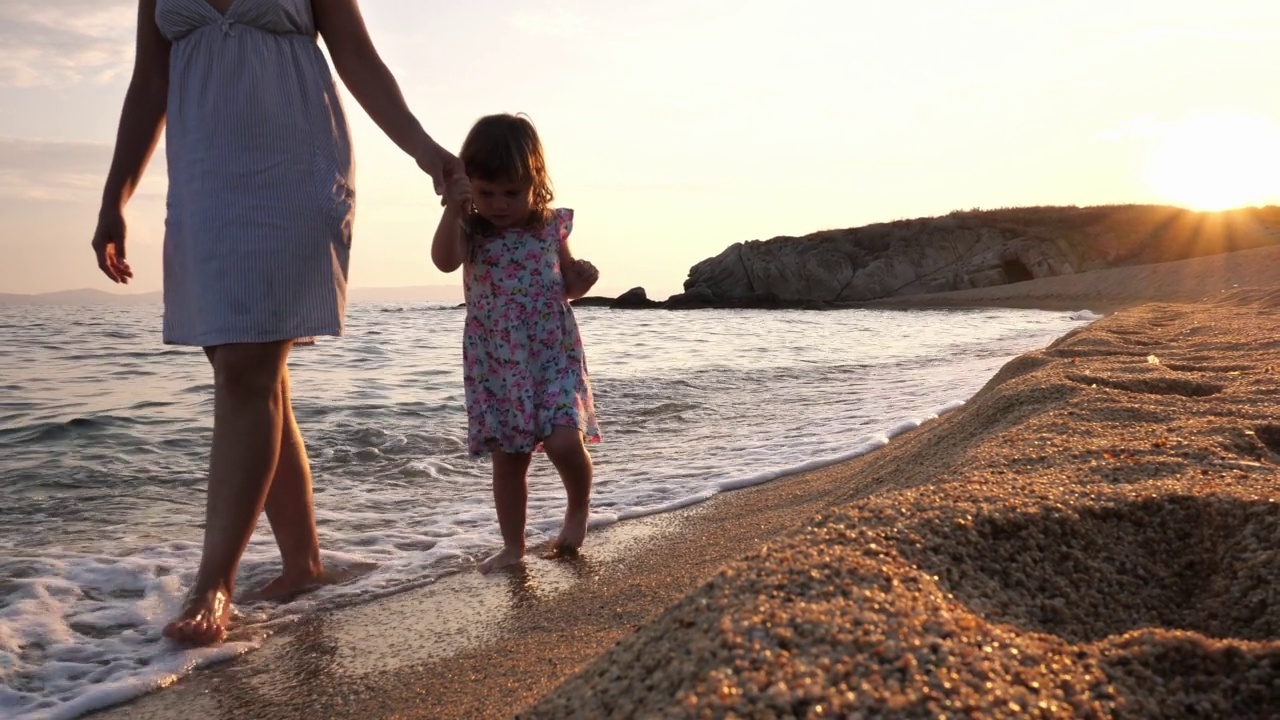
43,432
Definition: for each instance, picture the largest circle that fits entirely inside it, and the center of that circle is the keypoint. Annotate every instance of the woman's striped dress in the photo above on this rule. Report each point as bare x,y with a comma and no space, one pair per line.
261,199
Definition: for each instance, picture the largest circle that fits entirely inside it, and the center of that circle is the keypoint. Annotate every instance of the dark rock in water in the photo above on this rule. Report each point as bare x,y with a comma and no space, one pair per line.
636,297
698,296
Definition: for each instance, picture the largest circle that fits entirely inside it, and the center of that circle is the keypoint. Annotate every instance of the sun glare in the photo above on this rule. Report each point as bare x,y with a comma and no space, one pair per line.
1217,162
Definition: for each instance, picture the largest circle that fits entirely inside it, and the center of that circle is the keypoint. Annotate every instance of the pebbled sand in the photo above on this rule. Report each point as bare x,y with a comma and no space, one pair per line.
1096,534
1093,535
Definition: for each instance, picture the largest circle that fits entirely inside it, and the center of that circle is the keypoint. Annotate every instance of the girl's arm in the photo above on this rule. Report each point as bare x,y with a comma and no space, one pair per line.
357,62
449,247
141,120
579,275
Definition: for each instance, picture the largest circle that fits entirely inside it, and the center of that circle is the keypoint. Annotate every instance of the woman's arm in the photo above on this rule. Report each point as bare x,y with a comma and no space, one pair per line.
141,120
142,117
371,83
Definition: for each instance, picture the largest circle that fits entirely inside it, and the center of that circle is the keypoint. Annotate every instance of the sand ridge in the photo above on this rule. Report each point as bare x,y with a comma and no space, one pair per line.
1095,534
1184,281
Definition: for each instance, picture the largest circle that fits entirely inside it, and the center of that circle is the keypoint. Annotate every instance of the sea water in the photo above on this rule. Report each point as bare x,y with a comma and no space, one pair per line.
104,439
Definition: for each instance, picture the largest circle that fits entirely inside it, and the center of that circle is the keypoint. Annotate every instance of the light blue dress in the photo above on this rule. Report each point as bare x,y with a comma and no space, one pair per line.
261,197
524,368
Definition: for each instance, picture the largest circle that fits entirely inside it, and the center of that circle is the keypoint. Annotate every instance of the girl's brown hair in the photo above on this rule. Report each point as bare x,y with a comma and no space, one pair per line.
506,148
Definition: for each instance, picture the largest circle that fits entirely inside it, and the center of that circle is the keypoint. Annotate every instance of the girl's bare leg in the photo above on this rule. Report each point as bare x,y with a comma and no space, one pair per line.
565,449
511,498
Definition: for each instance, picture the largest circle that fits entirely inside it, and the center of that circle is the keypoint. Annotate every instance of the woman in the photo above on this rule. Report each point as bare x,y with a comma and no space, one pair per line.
257,238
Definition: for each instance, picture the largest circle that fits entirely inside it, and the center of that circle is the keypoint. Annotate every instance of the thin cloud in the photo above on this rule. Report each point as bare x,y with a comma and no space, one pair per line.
62,171
65,43
1141,126
1181,33
554,22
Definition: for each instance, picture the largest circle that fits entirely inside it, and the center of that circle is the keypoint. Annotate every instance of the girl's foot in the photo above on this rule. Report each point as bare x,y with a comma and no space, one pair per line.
508,557
573,534
204,619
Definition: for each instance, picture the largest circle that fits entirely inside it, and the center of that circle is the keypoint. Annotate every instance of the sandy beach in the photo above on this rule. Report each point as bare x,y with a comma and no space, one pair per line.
1094,534
1184,281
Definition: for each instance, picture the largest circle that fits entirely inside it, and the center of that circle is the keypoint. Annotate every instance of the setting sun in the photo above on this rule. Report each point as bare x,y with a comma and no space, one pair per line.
1217,161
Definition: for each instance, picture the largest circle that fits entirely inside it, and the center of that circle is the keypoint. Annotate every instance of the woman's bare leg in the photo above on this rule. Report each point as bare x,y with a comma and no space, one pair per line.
511,498
248,415
291,512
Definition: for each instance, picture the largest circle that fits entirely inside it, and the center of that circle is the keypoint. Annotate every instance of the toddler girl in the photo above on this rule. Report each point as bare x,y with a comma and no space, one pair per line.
525,370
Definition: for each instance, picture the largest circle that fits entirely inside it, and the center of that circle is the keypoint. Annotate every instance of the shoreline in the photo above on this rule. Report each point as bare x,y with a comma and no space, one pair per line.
476,647
420,653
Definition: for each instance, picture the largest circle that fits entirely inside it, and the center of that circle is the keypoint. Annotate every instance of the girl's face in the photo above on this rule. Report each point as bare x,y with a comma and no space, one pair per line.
505,204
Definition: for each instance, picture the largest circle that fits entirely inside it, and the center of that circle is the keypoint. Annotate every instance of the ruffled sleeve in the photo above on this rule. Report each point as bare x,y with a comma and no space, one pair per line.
563,223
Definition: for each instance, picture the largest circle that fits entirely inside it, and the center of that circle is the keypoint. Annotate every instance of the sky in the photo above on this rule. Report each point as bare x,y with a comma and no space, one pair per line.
675,128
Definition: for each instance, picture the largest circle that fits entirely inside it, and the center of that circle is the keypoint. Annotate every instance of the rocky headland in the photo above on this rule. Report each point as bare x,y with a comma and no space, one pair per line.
962,251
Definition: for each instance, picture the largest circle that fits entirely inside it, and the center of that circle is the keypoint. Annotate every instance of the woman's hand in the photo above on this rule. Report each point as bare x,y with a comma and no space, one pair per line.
457,194
108,245
441,165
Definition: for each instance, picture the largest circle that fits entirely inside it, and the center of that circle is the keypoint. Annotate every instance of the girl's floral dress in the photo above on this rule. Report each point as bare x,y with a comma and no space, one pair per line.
524,368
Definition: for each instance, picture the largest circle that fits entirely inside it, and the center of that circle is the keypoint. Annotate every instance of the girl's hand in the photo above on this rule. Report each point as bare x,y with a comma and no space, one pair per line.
445,165
580,278
457,194
438,163
108,245
587,273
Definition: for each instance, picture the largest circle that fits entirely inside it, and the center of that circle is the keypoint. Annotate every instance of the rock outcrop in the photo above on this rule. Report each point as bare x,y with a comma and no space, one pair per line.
964,250
636,297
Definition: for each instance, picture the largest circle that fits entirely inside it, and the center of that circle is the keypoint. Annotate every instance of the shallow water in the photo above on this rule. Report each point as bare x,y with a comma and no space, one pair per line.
104,437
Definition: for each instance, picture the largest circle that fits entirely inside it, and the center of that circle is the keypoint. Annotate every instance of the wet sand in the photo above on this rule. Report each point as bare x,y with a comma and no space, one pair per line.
1185,281
477,647
1094,534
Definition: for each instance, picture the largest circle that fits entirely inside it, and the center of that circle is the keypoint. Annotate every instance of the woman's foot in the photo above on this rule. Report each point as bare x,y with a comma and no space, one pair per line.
290,585
508,557
573,534
204,619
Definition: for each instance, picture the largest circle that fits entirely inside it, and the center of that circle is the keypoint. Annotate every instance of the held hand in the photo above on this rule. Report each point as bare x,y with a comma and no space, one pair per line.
457,194
108,245
444,167
450,166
